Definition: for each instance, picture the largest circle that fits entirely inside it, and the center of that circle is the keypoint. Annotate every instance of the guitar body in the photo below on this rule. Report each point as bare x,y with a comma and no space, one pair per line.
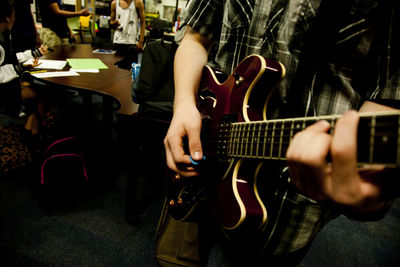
235,199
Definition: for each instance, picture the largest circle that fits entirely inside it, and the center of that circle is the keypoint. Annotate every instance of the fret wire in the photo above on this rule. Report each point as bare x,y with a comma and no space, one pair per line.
258,138
245,139
230,132
372,139
252,140
272,139
233,139
265,138
230,129
241,134
291,131
247,129
237,137
280,141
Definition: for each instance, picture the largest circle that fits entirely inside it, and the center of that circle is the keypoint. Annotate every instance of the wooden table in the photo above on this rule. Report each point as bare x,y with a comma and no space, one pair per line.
112,82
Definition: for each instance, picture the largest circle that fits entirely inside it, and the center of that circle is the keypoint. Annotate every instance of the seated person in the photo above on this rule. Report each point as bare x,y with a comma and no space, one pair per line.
11,93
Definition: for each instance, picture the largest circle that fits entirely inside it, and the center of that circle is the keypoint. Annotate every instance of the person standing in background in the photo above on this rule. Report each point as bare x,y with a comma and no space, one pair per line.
24,33
128,19
55,29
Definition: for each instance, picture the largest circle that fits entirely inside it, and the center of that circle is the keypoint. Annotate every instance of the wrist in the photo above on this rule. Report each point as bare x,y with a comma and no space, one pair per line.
184,106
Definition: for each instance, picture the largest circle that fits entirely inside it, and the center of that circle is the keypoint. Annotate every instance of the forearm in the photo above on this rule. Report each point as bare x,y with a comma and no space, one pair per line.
190,59
142,31
28,54
142,17
68,14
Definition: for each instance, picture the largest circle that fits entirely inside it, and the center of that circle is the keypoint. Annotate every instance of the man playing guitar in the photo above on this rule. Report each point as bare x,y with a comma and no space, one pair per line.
323,166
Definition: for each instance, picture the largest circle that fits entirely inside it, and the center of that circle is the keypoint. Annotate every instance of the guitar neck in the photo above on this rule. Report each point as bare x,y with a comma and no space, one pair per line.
378,138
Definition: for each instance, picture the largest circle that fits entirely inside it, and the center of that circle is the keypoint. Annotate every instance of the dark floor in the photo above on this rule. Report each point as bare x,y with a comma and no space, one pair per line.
95,232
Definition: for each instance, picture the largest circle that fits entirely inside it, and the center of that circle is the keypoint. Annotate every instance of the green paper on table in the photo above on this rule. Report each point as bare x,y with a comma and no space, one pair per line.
86,63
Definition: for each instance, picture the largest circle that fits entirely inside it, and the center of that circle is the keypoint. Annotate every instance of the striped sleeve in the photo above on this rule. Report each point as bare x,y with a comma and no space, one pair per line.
205,17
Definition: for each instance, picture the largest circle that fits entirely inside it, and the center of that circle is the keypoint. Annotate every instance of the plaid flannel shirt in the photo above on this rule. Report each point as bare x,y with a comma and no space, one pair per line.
358,67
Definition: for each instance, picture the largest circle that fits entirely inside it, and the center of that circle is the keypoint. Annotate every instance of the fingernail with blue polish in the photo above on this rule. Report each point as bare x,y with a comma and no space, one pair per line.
194,162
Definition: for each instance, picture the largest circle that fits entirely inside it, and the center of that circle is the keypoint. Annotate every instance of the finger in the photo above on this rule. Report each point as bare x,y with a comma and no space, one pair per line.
182,168
344,146
313,142
195,146
319,126
174,143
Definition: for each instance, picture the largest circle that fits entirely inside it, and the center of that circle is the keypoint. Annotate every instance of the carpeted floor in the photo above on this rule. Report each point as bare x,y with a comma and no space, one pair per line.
92,233
95,232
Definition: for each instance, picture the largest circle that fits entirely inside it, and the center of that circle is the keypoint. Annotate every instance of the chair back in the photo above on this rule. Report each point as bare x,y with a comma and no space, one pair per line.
84,20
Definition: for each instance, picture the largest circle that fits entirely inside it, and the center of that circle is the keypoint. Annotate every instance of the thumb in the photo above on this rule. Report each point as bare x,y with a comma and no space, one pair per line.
195,147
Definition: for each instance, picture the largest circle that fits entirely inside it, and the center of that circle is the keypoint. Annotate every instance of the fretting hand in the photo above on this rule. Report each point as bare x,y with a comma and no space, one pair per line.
338,181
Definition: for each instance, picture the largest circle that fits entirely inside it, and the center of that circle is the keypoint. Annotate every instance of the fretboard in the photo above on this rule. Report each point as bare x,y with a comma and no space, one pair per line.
378,138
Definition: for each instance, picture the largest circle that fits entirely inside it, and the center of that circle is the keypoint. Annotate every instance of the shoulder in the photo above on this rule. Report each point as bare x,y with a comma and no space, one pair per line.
139,3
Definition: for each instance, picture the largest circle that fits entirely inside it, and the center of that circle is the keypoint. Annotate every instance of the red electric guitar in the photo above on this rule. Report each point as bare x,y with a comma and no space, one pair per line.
236,134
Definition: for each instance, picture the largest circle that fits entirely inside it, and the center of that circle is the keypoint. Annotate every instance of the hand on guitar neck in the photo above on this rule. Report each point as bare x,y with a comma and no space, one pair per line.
339,180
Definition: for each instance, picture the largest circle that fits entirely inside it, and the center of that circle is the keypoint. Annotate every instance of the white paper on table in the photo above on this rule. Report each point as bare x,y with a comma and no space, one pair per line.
50,74
48,64
85,70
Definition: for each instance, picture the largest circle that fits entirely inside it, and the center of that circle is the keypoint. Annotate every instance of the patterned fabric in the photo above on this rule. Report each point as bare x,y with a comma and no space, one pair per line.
13,153
358,65
51,39
276,30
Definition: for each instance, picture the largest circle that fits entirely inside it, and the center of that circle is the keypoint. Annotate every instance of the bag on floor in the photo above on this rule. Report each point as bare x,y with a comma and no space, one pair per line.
177,243
64,175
